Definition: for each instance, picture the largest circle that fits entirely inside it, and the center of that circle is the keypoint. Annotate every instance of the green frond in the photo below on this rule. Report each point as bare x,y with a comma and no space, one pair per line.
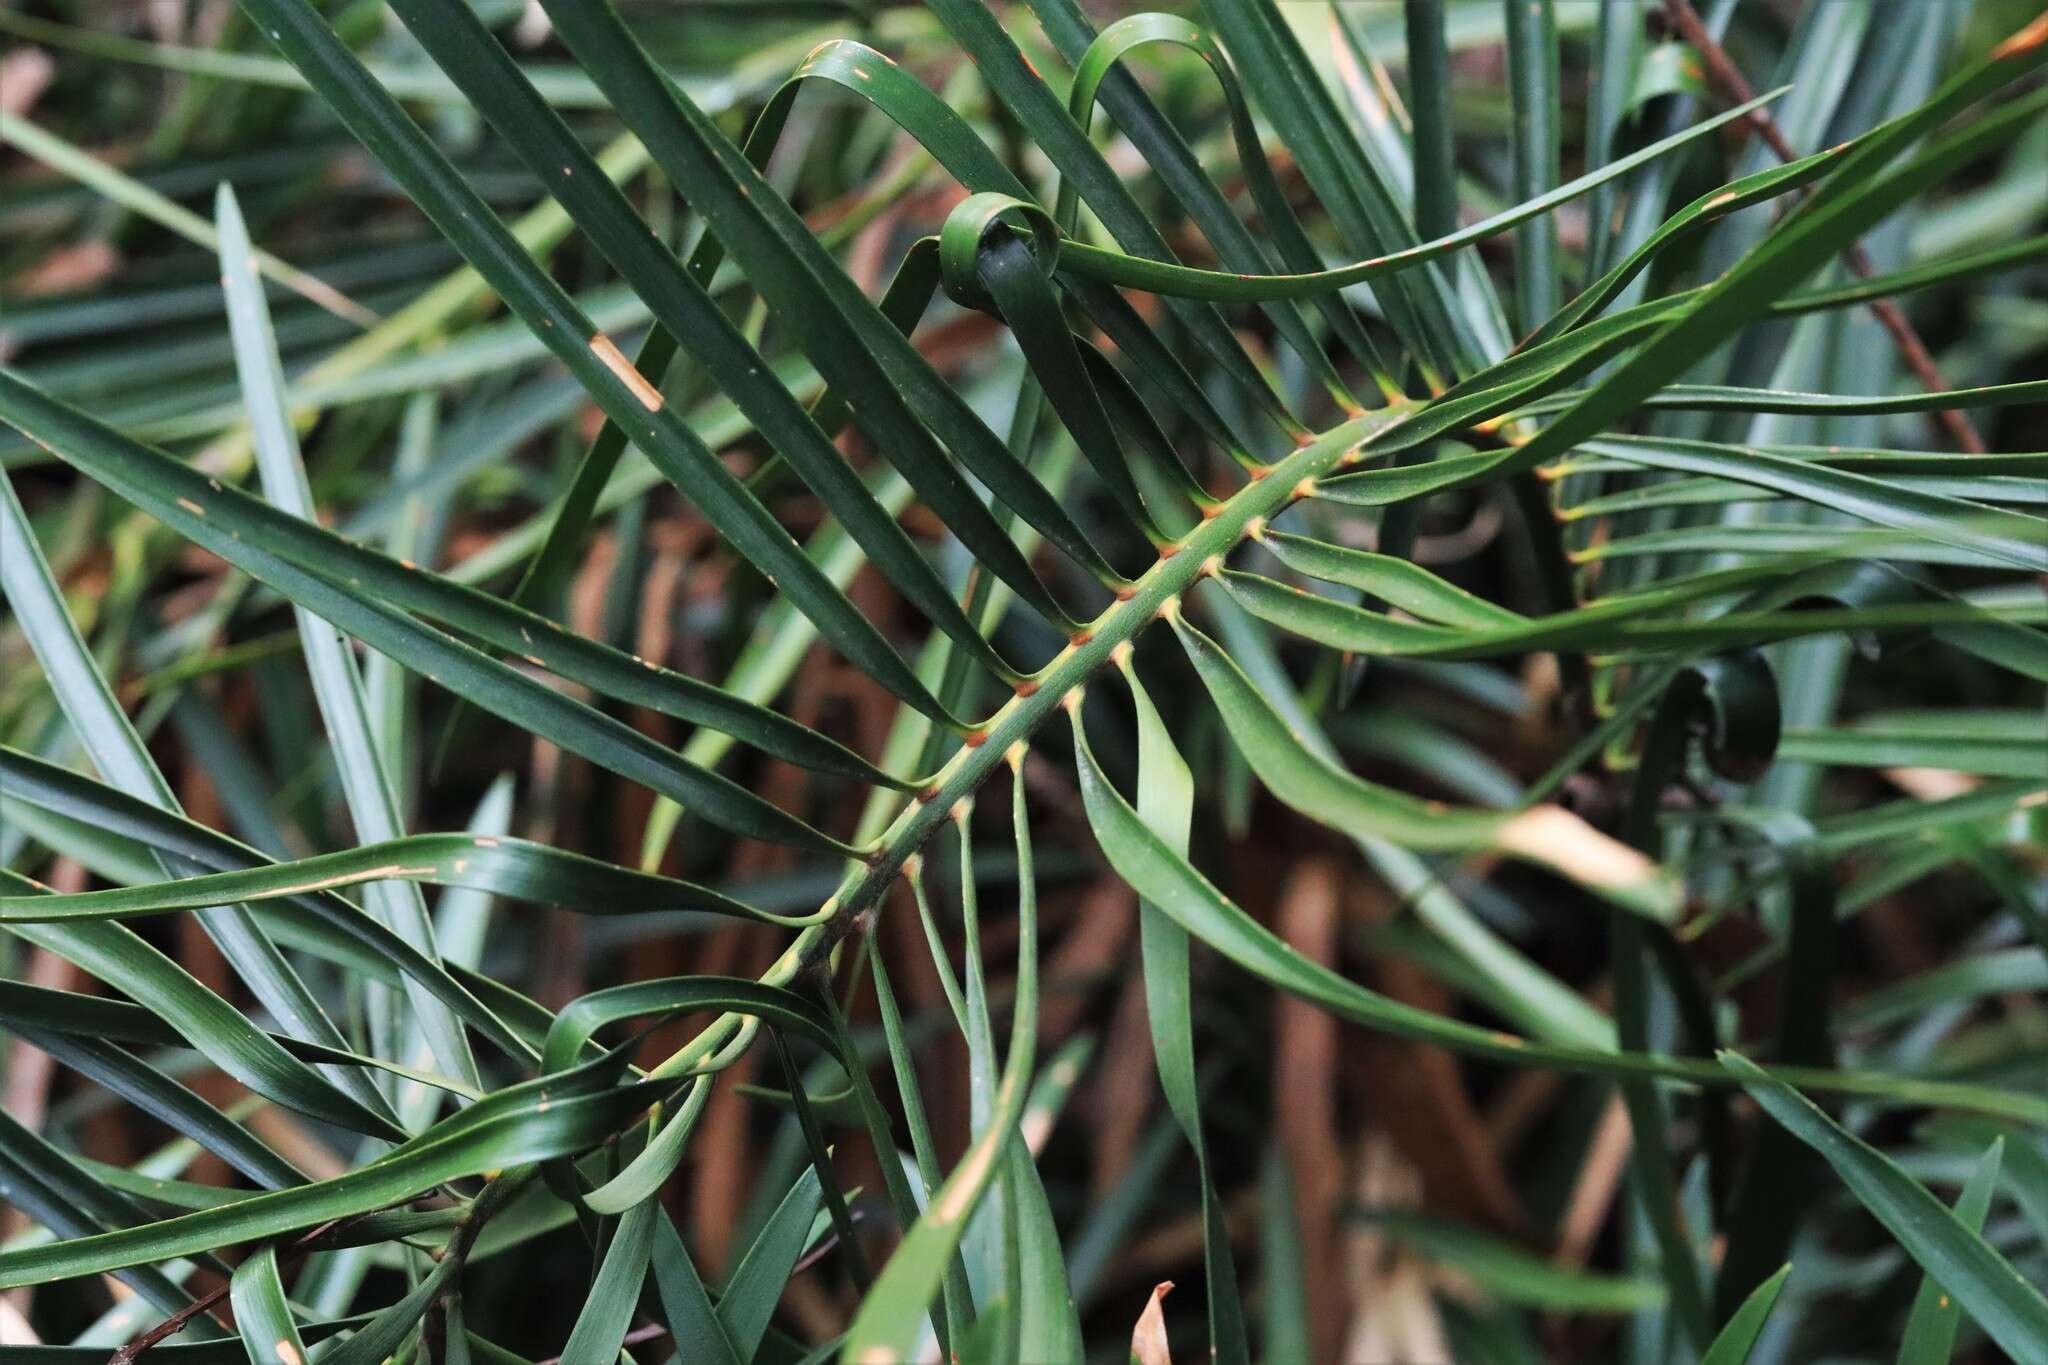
1566,528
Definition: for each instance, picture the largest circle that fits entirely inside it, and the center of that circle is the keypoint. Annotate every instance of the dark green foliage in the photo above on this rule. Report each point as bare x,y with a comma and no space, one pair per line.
1573,706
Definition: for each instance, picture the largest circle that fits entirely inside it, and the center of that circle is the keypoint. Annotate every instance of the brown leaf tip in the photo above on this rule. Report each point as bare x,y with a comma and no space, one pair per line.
613,359
2028,38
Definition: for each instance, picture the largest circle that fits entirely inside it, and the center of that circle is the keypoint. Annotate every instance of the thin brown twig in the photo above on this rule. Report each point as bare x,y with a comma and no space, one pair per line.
175,1323
169,1326
1734,86
494,1196
645,1332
